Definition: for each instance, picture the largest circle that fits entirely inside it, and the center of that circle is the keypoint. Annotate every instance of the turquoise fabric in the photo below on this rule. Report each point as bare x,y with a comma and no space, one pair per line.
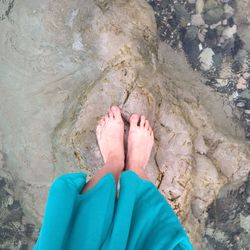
139,218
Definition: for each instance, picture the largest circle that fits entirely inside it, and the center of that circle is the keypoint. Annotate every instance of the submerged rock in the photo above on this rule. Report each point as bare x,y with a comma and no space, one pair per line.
228,218
213,15
229,32
197,20
199,6
206,59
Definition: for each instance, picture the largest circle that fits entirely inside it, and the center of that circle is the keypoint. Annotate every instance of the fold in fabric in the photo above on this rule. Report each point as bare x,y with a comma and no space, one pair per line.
140,218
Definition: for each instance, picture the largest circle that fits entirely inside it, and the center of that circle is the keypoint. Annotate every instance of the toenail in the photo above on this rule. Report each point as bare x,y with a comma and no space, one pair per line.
134,116
114,108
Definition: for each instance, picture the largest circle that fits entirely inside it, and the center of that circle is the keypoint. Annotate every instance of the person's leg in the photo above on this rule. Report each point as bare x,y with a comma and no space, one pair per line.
140,143
110,133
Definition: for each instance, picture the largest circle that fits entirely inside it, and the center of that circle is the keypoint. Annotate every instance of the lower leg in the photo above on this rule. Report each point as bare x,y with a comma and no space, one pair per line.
113,165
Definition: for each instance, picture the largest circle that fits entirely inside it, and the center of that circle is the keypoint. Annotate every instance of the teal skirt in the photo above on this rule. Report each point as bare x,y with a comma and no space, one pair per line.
138,218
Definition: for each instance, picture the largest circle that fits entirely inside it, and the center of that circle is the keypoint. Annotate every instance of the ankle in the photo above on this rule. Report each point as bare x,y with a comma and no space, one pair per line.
135,164
114,161
139,171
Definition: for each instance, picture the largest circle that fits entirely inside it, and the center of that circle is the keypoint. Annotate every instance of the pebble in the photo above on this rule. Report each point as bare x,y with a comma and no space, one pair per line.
213,15
229,32
197,20
182,15
228,11
192,1
199,6
211,38
201,37
242,56
224,22
241,84
219,30
248,187
191,48
215,25
241,104
248,199
222,82
231,22
206,59
245,94
218,59
246,75
210,4
191,33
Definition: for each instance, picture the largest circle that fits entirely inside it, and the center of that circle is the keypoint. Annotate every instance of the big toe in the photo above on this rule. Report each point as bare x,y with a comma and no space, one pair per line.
134,120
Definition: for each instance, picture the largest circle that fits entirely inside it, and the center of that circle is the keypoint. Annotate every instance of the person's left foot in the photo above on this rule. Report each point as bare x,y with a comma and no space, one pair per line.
110,133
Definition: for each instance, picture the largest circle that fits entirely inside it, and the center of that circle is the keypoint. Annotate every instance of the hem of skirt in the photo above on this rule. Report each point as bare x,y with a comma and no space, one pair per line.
98,185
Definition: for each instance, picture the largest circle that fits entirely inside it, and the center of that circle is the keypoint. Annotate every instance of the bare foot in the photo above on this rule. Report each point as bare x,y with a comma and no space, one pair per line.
140,143
110,132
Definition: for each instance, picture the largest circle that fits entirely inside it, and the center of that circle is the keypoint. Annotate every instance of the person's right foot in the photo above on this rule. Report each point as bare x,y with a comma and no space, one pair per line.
140,143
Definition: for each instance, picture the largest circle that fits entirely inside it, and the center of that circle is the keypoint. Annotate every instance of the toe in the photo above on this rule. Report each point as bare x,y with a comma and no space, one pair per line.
110,114
134,120
151,132
102,121
105,118
142,121
116,112
147,124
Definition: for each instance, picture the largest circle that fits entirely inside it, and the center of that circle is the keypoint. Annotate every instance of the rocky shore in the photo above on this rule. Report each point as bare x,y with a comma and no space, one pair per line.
214,34
63,63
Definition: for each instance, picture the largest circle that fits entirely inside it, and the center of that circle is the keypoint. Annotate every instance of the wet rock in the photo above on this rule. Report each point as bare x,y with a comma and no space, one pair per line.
214,15
206,59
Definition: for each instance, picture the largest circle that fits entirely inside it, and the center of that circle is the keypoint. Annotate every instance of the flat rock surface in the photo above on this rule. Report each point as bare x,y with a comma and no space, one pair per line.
62,64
